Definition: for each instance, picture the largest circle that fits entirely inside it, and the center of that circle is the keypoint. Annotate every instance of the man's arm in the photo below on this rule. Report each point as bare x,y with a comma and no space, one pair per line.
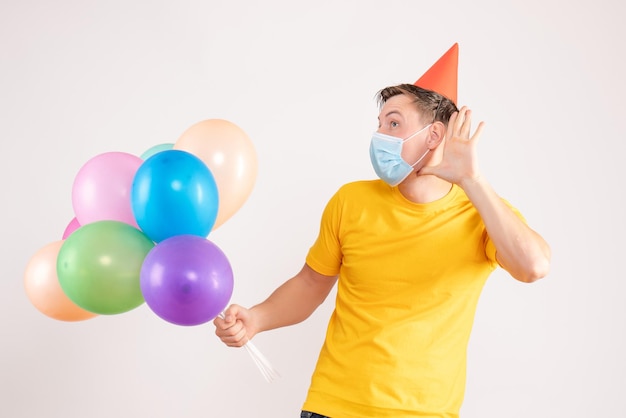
519,250
291,303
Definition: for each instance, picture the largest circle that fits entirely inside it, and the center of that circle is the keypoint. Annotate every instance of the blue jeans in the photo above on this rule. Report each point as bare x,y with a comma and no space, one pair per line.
307,414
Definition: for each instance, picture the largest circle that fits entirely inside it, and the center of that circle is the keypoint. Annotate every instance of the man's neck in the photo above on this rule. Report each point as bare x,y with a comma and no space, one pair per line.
424,189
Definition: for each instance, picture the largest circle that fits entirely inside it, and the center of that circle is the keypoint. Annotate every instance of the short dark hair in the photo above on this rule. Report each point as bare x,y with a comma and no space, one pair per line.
428,102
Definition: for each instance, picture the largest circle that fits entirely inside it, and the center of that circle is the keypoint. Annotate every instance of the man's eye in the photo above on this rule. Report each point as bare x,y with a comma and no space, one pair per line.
394,124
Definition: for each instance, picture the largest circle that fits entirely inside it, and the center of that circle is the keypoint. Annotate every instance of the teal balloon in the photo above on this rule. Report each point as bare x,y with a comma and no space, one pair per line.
155,149
99,266
174,193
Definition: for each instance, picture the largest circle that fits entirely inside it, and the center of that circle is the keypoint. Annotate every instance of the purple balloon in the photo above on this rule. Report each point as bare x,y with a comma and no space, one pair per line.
186,280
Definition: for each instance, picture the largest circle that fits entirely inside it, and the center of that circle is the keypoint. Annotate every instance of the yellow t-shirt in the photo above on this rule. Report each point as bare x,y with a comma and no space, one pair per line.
410,276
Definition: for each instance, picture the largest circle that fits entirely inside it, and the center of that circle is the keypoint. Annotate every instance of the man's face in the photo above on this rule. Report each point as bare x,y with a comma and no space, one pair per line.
399,117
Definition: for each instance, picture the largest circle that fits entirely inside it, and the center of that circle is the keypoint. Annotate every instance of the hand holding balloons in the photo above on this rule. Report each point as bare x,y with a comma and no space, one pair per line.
140,230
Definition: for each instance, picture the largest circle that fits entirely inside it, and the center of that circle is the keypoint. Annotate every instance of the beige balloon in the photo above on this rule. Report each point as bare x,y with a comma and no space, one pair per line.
230,155
44,290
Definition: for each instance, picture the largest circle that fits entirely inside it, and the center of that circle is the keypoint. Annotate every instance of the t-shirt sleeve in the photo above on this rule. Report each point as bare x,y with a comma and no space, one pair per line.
325,255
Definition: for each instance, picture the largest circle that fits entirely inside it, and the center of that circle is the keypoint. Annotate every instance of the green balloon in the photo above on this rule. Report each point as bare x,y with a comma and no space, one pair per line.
156,149
99,266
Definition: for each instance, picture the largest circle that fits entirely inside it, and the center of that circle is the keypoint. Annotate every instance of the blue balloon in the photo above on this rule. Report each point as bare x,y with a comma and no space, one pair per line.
174,193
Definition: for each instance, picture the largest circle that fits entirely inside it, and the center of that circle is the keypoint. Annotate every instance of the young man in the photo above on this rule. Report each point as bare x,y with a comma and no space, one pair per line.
410,254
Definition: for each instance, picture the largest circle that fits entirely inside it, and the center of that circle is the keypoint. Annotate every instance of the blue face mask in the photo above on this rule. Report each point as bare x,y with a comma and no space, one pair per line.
386,156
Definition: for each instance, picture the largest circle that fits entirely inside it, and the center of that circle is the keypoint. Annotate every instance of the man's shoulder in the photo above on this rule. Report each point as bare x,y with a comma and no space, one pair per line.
362,186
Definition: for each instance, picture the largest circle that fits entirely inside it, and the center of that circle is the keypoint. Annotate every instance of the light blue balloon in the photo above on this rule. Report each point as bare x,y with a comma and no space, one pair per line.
153,150
174,193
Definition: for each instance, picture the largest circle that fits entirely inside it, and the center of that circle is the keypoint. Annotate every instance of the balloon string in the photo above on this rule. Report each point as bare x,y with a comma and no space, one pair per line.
267,370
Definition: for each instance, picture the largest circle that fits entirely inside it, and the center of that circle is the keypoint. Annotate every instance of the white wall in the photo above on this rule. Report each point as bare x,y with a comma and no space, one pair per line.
78,78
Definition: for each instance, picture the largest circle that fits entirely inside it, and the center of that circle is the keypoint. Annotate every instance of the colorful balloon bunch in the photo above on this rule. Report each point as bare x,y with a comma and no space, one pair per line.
140,231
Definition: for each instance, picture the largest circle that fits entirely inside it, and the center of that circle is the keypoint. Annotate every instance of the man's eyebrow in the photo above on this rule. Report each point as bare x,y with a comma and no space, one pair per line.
391,112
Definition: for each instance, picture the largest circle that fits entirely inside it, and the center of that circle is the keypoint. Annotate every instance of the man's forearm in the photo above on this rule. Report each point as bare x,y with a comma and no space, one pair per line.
294,301
519,249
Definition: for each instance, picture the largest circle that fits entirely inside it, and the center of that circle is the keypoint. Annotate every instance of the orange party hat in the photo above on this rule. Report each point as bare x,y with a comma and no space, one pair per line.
442,76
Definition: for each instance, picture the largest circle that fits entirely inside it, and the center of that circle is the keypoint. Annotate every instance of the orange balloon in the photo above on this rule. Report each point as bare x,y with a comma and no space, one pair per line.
43,288
228,152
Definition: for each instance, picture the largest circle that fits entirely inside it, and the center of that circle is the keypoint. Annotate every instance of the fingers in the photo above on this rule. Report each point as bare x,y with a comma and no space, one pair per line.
464,131
461,124
234,336
452,124
230,329
478,132
231,313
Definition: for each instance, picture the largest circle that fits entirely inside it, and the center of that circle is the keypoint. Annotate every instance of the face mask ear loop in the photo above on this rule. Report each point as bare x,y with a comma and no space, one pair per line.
421,158
427,150
434,119
418,132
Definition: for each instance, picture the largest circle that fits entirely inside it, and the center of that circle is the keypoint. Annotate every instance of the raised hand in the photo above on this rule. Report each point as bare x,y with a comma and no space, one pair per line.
459,163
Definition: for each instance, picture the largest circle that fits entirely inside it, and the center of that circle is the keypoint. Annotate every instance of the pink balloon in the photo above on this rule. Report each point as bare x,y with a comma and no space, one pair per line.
102,187
71,227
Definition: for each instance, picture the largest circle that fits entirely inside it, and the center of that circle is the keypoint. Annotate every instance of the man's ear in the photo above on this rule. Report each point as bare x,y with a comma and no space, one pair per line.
437,133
